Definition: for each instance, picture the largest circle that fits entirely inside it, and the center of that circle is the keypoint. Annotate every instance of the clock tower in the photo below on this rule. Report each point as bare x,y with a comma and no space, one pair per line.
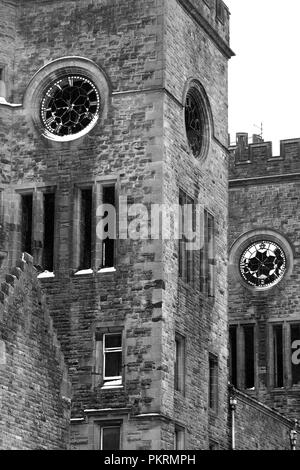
112,111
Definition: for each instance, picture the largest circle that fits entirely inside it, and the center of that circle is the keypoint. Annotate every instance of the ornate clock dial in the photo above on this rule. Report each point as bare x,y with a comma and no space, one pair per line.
263,264
70,106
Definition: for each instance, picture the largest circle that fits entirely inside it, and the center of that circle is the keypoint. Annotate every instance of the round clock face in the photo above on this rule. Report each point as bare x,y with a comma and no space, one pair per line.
70,106
263,264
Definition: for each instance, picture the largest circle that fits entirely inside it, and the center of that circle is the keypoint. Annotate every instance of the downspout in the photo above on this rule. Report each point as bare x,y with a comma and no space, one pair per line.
233,403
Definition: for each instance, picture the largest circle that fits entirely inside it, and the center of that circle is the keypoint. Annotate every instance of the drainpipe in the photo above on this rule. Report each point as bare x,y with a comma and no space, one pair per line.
233,403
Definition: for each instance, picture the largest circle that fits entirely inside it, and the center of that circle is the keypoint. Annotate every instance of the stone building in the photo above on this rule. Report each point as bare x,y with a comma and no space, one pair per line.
264,309
116,107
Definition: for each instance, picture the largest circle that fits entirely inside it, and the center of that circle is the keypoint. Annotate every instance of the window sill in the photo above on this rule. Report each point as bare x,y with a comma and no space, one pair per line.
84,272
113,387
46,275
107,270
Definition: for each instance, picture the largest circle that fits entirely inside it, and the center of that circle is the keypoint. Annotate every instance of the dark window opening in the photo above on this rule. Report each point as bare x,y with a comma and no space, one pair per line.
186,234
49,230
26,221
179,363
211,254
233,355
85,229
220,11
112,357
110,438
179,438
207,256
278,356
108,247
1,74
249,357
295,352
213,383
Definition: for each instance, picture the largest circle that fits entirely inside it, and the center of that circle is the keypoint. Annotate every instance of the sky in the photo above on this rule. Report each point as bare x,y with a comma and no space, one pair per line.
264,77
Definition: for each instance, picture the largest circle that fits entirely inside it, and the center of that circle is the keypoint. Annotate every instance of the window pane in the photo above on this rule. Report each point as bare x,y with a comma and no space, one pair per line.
111,438
213,383
211,254
108,247
278,356
113,341
249,357
113,364
179,363
179,439
86,229
49,224
26,228
295,346
233,355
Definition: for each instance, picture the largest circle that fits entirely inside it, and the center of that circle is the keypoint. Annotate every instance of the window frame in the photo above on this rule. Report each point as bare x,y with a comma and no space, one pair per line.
213,383
38,193
179,437
240,349
97,244
111,351
179,364
98,357
207,264
109,425
186,258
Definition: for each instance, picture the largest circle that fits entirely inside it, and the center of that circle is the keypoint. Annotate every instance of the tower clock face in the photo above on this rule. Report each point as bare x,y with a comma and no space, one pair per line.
70,106
263,264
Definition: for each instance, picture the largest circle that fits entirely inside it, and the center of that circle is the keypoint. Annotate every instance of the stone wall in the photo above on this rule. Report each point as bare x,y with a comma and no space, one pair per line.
146,59
264,198
258,427
34,392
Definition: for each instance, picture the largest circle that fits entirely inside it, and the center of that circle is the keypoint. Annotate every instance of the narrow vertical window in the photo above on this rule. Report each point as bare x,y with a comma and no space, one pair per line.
2,83
187,231
108,247
26,223
249,366
85,229
207,256
233,355
295,353
110,437
213,383
278,356
179,363
220,11
49,221
112,358
179,438
211,255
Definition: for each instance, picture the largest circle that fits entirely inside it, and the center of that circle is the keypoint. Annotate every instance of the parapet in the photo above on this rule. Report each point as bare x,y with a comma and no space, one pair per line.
256,159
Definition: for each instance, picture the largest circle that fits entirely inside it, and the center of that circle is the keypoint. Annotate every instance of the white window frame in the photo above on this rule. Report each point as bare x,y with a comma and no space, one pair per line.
113,380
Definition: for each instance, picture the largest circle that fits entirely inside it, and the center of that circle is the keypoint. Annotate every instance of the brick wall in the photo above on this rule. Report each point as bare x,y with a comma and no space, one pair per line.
35,391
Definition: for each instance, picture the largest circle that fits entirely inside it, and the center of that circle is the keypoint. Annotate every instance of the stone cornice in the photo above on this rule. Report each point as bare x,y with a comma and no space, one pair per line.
258,180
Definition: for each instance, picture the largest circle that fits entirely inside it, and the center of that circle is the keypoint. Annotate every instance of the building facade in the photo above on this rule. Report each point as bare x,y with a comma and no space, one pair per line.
123,103
264,310
114,183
